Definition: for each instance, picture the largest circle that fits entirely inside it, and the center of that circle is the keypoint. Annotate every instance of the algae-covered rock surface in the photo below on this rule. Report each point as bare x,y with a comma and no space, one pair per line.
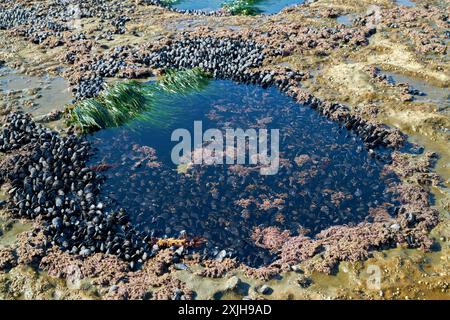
90,207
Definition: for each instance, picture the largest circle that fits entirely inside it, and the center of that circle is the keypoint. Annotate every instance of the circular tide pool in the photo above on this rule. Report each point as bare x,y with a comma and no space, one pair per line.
326,176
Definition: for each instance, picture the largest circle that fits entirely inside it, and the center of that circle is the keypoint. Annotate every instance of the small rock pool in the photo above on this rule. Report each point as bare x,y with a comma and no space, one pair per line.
37,95
326,175
406,3
423,91
262,6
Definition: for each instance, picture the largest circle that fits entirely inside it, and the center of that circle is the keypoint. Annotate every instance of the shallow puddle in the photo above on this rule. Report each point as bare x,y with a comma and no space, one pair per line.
346,20
406,3
326,176
8,237
263,6
189,25
46,93
425,91
11,80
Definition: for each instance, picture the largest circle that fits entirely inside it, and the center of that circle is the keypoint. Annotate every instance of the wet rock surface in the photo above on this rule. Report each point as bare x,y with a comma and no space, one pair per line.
7,259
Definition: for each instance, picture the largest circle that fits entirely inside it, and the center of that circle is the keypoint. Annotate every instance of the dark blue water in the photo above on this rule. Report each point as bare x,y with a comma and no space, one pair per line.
264,6
327,177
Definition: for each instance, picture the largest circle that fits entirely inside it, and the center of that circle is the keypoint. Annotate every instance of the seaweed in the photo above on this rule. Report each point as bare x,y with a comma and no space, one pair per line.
241,7
185,81
123,102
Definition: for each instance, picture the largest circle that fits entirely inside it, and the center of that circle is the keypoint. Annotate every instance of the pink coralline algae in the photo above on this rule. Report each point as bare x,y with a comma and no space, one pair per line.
147,155
291,250
110,271
8,259
425,26
413,168
106,269
414,219
264,273
217,269
31,246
